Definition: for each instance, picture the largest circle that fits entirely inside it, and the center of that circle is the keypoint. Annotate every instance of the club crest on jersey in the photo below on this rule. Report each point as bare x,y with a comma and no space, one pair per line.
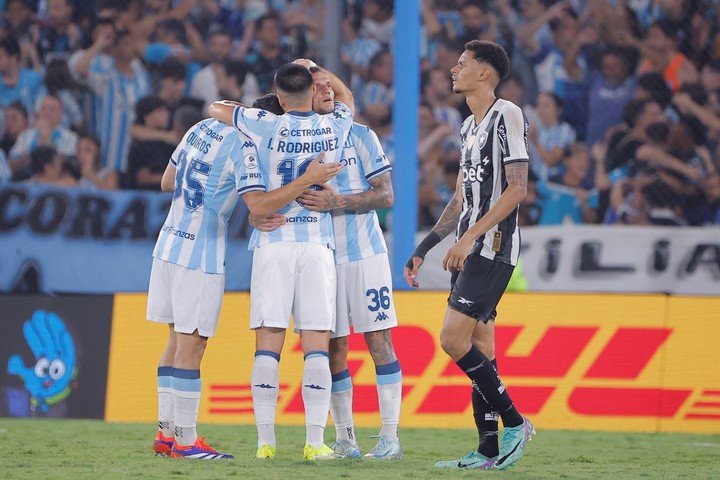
250,161
481,139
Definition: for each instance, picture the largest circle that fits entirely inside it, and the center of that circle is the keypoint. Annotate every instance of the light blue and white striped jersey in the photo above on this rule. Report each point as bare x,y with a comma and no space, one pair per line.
115,98
286,146
358,235
208,161
64,141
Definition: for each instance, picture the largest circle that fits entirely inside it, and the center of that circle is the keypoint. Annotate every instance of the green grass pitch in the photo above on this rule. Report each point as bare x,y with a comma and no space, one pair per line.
75,449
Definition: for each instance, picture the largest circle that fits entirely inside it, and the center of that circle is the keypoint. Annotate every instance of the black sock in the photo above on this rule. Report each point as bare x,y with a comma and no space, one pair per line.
486,421
487,382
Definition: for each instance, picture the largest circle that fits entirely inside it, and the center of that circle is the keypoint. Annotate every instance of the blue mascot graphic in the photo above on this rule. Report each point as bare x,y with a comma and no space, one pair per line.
49,380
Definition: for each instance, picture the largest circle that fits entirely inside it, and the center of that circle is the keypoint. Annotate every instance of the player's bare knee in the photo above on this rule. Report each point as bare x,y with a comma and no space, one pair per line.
454,345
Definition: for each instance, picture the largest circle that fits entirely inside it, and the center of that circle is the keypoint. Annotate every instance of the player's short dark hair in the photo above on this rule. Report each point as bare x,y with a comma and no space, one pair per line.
634,109
269,102
171,68
145,106
185,117
11,46
491,53
293,78
40,157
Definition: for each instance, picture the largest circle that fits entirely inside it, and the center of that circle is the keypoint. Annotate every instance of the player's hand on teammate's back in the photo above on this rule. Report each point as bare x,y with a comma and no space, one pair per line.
318,200
318,172
458,253
411,270
266,223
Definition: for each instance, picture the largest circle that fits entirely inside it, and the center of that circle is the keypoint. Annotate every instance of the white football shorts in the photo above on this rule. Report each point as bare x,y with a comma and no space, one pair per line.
190,299
295,278
364,296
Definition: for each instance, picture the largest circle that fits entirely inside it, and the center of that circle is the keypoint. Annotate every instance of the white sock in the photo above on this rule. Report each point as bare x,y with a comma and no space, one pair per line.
341,406
389,387
166,425
186,388
265,391
316,396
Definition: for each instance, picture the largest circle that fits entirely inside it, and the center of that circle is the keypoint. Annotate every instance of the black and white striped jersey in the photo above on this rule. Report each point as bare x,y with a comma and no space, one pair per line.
500,139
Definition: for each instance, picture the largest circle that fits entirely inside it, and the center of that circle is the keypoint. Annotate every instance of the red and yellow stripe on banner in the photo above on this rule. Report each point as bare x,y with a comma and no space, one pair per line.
595,362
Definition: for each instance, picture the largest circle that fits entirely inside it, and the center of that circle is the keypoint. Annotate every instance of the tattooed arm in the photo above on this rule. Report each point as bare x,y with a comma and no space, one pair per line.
516,174
379,196
445,225
448,221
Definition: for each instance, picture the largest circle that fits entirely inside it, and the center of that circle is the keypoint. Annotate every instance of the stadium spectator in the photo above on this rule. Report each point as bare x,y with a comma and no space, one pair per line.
47,132
17,83
171,86
304,20
549,136
59,36
437,92
356,53
223,74
661,55
148,158
376,96
18,19
16,122
59,82
118,82
610,90
378,21
269,52
50,168
92,176
571,196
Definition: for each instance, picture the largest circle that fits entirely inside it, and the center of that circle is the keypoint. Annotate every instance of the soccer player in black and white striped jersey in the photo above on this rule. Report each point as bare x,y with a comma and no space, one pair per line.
484,211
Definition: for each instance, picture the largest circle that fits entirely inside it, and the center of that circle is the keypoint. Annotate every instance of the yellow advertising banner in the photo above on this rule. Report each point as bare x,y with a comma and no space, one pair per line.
570,361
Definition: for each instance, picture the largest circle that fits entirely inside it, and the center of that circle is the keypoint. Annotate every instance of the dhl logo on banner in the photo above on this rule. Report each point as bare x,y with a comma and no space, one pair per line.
596,362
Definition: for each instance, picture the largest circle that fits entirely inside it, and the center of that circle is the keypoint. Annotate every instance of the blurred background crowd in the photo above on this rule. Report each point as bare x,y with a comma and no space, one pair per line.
622,96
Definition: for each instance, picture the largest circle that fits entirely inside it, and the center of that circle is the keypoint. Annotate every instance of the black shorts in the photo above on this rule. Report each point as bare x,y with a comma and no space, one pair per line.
476,290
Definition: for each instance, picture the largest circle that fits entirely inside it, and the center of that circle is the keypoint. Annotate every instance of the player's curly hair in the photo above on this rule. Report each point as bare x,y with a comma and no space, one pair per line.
491,53
269,102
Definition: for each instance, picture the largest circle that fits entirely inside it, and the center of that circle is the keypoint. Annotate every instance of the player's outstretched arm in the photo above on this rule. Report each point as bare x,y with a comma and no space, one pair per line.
379,196
223,110
446,224
516,174
342,92
266,203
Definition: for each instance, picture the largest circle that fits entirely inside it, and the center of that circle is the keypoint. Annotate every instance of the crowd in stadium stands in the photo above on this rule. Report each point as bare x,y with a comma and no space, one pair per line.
623,98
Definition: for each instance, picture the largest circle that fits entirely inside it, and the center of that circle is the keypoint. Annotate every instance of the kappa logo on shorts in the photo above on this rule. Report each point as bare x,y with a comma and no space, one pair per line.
381,316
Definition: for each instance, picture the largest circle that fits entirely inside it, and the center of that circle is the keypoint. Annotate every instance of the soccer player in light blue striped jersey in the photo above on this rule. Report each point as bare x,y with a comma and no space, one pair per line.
211,165
293,266
364,293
